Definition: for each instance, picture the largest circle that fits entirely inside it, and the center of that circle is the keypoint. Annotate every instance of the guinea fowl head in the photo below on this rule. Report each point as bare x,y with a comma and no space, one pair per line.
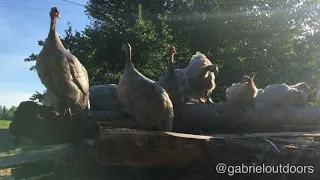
126,47
54,13
172,51
247,79
212,68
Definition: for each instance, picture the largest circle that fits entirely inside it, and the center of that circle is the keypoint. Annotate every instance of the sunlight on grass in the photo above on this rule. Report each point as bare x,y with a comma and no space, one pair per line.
11,152
4,124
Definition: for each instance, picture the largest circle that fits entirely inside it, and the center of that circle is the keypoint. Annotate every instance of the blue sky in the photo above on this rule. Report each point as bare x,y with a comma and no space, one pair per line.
22,24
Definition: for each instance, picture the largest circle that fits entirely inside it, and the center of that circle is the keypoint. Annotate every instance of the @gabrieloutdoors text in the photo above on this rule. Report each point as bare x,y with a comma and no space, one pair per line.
222,168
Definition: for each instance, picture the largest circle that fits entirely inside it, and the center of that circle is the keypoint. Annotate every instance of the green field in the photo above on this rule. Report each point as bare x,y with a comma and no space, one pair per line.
4,124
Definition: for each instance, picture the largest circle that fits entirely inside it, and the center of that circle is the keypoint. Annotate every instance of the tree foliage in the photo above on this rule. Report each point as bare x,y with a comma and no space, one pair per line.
7,113
271,37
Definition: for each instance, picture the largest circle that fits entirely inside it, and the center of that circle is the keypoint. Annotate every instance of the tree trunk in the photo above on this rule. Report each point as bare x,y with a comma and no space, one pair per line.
127,147
227,118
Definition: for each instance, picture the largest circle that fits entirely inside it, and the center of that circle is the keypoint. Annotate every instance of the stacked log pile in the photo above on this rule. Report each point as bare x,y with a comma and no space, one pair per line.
120,142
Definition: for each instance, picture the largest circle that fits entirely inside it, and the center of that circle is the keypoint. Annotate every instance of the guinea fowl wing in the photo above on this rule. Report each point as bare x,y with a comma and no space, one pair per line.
79,74
152,99
44,71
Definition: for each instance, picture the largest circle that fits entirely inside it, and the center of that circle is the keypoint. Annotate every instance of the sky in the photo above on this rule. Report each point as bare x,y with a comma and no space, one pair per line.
22,24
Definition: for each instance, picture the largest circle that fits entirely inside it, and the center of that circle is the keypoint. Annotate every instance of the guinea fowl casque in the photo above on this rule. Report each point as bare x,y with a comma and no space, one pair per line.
62,74
143,99
170,81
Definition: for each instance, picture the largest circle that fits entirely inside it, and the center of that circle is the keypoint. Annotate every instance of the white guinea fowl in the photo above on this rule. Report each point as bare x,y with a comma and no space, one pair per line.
143,99
200,76
242,93
283,95
298,89
62,73
170,81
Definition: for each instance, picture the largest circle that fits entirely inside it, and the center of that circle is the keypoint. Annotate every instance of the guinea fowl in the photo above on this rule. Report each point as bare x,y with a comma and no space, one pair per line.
200,77
62,73
143,99
242,93
249,91
171,83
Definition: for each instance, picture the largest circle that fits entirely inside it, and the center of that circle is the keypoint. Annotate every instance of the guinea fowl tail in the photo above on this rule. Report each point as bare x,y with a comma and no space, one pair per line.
126,47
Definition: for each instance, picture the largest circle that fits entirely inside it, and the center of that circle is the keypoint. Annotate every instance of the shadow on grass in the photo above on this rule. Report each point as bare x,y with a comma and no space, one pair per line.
6,142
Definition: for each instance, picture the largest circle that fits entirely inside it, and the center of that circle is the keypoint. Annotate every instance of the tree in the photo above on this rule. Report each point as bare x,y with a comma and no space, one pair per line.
37,97
89,46
7,114
272,38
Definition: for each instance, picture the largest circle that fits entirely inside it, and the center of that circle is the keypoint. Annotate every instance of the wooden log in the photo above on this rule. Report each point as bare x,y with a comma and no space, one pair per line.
127,147
106,116
36,154
226,118
191,118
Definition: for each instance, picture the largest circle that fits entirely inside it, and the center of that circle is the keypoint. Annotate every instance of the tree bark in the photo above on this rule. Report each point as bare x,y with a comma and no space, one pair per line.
127,147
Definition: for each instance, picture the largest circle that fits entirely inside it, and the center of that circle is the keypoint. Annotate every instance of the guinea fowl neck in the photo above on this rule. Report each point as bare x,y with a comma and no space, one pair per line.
128,60
52,31
53,36
170,67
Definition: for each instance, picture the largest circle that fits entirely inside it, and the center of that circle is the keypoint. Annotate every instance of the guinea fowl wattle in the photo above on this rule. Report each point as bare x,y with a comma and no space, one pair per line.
62,74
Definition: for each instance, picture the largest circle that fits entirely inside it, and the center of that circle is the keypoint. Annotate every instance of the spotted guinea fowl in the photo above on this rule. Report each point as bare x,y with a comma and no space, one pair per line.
170,81
143,99
62,73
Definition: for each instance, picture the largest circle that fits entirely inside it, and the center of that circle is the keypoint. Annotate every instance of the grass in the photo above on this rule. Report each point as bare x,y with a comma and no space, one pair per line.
4,124
11,152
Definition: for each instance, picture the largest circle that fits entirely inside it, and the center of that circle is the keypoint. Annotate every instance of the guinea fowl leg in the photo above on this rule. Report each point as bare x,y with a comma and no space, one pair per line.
209,101
63,114
70,113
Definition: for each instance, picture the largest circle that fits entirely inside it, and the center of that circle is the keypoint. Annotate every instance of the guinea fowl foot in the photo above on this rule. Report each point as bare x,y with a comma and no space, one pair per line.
63,114
210,102
54,114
